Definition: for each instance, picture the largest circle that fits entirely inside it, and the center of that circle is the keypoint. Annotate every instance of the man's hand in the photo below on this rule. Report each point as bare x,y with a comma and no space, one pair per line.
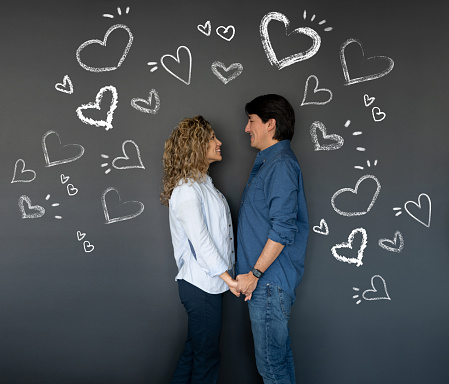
246,284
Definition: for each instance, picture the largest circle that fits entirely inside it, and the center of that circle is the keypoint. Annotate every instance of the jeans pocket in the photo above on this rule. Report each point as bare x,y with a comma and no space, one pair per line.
286,303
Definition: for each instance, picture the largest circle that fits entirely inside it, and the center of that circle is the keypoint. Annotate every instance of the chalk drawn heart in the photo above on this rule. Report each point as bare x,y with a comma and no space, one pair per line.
177,59
376,294
72,190
135,207
225,35
80,235
125,157
107,124
66,86
205,29
354,191
338,140
322,229
368,100
153,96
80,150
422,208
266,43
392,245
237,67
316,90
88,247
64,178
352,260
38,210
348,80
103,43
31,175
378,115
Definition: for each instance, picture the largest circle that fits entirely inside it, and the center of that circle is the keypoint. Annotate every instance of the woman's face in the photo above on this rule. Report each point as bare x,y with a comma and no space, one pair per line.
214,149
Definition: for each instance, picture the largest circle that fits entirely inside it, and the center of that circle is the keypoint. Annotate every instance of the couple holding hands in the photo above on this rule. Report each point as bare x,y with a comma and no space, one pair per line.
271,240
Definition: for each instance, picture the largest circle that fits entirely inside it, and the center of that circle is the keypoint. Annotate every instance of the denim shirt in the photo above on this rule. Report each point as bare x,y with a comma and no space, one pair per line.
274,207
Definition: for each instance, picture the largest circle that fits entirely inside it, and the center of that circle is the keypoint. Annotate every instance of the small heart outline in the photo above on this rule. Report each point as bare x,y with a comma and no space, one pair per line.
23,171
363,245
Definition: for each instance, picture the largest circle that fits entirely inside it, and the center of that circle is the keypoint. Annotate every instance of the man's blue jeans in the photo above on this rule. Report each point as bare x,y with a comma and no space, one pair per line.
269,311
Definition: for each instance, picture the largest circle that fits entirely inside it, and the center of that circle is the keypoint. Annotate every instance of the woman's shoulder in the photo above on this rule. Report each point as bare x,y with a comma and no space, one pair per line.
187,189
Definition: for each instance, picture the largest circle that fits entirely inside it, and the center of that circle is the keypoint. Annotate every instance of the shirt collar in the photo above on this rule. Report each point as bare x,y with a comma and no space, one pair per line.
269,152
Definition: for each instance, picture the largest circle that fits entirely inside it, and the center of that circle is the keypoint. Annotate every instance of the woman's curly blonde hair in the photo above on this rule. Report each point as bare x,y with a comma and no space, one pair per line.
185,154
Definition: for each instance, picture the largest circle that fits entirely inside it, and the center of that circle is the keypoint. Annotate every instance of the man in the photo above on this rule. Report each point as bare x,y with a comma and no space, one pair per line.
272,235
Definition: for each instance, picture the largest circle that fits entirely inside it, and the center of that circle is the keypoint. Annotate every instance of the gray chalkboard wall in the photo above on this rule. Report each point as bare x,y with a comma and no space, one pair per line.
87,291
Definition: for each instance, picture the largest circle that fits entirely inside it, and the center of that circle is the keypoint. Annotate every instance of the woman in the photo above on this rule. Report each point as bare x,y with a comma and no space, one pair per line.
202,237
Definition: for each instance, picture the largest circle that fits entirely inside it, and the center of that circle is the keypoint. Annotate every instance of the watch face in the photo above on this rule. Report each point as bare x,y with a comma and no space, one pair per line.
256,272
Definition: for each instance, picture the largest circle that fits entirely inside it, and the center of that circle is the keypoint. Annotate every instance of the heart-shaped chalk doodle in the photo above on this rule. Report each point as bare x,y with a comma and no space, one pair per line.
368,100
38,210
30,174
135,207
125,158
338,140
378,115
228,36
80,235
66,86
322,229
374,76
237,67
315,91
205,29
80,150
392,245
354,191
177,59
71,190
64,178
352,260
422,208
107,124
88,247
153,96
375,294
266,43
103,43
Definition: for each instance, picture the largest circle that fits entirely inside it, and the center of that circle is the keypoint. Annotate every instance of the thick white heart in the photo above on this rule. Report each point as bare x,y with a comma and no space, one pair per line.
178,60
157,103
125,157
378,115
72,190
373,76
23,171
66,86
237,67
266,43
316,90
352,260
225,30
63,161
339,141
322,229
393,244
103,43
427,215
80,235
38,210
368,100
88,247
205,29
373,199
377,294
64,178
108,218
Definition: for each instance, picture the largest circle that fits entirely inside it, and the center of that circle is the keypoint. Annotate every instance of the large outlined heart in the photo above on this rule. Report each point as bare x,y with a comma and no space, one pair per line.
354,191
125,157
352,260
38,210
178,60
31,174
374,293
316,90
135,213
392,245
103,43
107,123
63,161
344,65
338,140
266,43
153,95
409,207
238,69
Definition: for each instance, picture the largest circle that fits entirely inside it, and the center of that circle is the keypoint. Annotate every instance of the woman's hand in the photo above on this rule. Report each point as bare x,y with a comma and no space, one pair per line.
233,287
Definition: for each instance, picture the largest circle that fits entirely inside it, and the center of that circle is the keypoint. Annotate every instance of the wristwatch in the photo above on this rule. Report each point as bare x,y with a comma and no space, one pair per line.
257,273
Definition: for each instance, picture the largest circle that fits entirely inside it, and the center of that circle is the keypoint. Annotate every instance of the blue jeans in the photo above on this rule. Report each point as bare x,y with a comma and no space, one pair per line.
269,311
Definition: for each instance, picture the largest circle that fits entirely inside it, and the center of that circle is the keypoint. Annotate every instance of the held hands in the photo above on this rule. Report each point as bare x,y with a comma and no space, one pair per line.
246,284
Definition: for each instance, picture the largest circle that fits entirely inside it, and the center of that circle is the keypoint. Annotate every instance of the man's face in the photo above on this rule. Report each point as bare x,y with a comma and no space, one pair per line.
259,132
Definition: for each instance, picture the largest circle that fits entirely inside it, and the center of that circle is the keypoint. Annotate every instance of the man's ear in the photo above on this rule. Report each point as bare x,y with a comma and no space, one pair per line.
272,125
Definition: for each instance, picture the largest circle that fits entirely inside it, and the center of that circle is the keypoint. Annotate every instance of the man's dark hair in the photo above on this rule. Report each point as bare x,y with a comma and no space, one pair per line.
274,107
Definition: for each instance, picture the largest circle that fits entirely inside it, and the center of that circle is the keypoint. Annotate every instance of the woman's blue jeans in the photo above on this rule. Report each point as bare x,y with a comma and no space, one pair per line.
269,311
